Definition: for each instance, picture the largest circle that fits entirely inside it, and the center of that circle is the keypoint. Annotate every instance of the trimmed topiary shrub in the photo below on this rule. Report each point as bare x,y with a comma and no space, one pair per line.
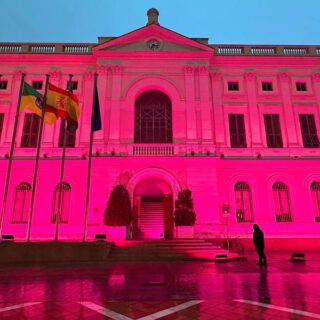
118,212
184,214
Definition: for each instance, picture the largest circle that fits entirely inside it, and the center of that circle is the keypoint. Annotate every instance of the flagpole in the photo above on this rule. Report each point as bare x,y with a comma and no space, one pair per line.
58,215
35,174
6,189
90,160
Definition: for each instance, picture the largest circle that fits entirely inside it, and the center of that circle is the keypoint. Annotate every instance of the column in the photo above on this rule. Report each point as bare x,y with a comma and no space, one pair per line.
102,92
316,87
48,130
206,106
190,104
86,109
114,134
256,138
288,111
12,111
218,118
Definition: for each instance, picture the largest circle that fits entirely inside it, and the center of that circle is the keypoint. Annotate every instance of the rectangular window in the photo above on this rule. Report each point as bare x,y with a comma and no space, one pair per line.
233,86
301,86
3,85
74,85
37,85
308,131
267,86
273,130
30,131
237,131
1,123
71,136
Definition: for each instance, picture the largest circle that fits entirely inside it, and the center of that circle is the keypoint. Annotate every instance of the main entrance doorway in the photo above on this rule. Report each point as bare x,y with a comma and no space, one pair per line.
153,210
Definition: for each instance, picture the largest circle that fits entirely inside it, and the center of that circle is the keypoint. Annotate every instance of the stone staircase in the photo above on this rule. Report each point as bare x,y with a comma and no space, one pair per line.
166,250
151,216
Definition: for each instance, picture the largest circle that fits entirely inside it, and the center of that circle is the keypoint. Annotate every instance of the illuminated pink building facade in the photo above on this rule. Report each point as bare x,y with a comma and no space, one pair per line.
237,125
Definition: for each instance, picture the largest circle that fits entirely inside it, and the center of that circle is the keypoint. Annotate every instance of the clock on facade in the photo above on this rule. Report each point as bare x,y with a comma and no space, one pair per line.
153,44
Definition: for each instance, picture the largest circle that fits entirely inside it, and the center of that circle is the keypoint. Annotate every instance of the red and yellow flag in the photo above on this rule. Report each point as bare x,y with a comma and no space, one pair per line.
63,104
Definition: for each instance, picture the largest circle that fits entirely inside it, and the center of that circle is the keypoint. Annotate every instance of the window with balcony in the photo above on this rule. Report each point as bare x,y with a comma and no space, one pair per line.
233,86
237,131
273,131
282,202
308,131
70,138
65,203
22,203
30,131
243,202
153,118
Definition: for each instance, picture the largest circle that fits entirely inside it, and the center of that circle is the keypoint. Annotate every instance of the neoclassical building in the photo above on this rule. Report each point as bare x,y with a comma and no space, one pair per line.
236,124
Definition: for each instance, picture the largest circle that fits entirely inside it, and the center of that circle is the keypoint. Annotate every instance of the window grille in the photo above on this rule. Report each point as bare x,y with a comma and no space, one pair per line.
315,193
65,206
243,202
22,203
153,118
282,202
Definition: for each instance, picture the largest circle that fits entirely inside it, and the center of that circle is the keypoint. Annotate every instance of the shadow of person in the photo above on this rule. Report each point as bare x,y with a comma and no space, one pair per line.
263,287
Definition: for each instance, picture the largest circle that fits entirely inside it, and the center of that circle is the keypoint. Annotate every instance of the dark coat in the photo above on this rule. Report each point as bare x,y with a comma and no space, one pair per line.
258,239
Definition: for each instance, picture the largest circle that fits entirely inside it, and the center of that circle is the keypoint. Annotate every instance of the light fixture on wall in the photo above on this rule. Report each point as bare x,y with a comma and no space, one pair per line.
97,153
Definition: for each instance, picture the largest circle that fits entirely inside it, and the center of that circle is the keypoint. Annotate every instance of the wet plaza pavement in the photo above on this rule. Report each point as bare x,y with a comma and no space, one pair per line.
163,290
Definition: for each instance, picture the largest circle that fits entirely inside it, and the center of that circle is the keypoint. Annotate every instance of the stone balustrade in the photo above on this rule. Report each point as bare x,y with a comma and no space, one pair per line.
224,50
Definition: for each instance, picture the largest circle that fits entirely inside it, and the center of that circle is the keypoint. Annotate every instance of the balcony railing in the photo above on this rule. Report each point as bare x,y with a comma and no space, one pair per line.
160,150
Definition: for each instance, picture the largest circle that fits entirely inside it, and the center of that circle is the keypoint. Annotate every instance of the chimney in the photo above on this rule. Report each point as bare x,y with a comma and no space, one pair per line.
153,15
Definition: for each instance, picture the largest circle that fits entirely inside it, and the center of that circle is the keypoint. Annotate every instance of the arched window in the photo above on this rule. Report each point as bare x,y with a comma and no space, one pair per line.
22,202
65,206
153,118
243,202
282,202
315,193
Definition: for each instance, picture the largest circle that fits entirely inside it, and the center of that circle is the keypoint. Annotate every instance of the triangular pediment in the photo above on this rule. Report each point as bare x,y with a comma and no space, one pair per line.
153,38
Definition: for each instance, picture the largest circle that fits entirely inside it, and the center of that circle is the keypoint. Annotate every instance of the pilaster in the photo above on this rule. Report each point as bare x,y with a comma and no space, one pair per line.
256,138
116,74
86,110
289,120
190,104
12,112
218,117
48,136
206,105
